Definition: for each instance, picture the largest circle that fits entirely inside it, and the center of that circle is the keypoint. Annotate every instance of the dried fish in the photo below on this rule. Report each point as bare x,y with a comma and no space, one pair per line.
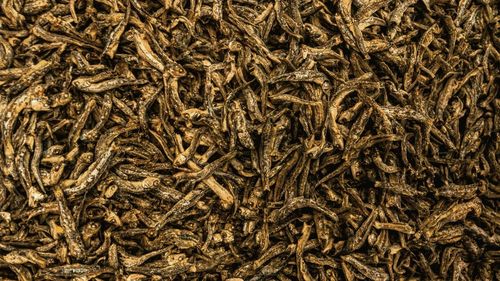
87,84
90,177
367,271
299,203
73,238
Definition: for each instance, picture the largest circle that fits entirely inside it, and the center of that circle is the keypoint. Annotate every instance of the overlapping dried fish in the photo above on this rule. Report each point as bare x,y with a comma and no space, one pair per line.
249,140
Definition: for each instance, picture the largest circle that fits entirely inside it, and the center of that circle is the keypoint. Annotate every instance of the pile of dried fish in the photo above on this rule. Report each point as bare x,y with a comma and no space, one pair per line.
249,140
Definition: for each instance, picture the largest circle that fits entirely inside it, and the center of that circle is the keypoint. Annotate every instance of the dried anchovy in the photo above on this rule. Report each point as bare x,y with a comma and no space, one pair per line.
73,238
299,203
90,177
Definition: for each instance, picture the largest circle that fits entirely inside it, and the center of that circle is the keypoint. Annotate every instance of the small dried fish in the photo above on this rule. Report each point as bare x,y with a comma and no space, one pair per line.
114,37
87,84
367,271
181,206
90,177
299,203
141,186
73,238
359,238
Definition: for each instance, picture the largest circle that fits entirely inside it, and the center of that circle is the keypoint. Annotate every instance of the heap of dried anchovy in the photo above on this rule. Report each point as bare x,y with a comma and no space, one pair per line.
249,140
